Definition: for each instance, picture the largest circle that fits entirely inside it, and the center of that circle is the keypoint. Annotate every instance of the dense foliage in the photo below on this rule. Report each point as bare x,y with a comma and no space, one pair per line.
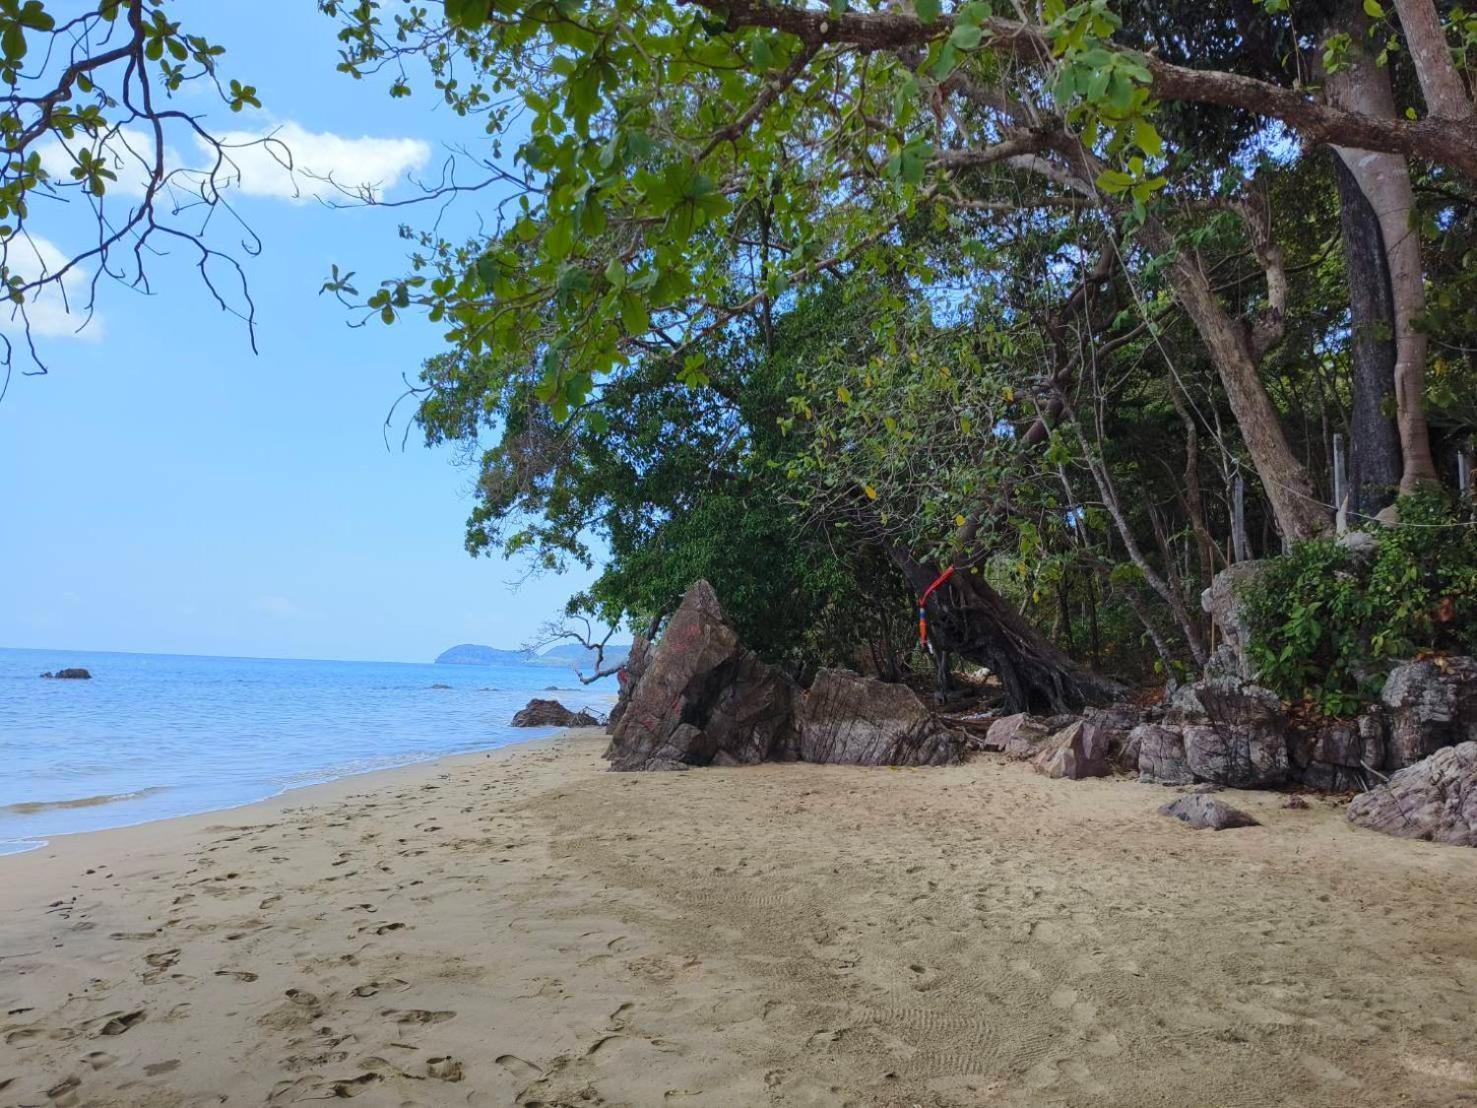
1326,622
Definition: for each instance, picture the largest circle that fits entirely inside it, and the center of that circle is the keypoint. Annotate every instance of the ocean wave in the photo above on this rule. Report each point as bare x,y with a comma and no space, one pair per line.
32,807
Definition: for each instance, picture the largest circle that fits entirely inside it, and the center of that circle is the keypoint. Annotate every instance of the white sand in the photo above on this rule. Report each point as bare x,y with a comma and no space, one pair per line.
524,928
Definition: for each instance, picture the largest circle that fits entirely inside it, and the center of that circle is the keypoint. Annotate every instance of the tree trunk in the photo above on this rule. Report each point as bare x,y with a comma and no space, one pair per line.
969,618
1361,85
1441,84
1375,461
1299,513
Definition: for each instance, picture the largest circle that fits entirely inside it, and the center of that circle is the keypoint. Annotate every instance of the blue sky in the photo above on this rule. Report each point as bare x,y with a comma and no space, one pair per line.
164,489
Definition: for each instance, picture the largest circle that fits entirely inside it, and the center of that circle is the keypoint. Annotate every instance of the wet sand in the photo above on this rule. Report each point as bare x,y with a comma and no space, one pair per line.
525,928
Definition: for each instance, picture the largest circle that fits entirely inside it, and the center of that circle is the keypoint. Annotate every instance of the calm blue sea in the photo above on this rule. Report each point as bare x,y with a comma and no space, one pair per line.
158,735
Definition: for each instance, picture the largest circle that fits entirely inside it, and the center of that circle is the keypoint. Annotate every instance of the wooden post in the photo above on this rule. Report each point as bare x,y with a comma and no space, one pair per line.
1239,543
1340,486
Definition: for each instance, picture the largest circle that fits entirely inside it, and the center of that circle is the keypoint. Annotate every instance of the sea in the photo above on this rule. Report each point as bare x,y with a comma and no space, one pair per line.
153,736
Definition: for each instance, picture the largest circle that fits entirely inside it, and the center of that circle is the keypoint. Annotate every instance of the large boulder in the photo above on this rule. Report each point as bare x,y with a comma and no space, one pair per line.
69,675
1434,800
629,676
849,719
1222,600
702,698
1429,704
1161,755
1074,752
1241,739
1204,812
550,713
1111,729
1019,735
1338,755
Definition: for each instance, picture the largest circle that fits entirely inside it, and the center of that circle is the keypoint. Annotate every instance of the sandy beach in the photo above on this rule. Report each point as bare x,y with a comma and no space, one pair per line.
525,928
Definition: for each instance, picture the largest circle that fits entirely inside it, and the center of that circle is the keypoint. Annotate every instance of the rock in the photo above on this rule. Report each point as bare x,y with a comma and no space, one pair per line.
69,675
1243,744
1161,755
1362,546
698,697
1222,600
1075,752
439,685
1111,729
853,720
1018,735
1338,755
1296,803
1434,800
550,713
1201,812
629,676
1430,704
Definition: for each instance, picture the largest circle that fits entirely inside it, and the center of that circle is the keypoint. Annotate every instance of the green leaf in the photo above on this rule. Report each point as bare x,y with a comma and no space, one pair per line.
1373,9
927,10
965,36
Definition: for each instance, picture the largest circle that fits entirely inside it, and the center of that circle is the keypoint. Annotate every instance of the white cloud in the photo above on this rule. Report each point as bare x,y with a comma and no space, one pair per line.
291,163
56,310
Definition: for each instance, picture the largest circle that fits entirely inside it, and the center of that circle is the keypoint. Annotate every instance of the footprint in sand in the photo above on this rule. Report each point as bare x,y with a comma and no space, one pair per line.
239,975
158,1069
417,1015
118,1023
163,959
444,1069
519,1068
99,1059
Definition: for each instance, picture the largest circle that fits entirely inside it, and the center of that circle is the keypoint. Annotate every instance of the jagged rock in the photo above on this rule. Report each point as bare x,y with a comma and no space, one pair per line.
1338,755
1110,729
1161,755
849,719
1430,705
698,697
1243,739
1222,600
550,713
1074,752
1434,800
1362,546
1202,812
69,675
629,676
1018,735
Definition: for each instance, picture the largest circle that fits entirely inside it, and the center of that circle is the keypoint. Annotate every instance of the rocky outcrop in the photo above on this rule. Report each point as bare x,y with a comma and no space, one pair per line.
1204,812
1111,729
1075,752
1222,601
1429,705
629,676
1434,800
1339,755
699,697
550,713
853,720
69,675
1019,736
1219,730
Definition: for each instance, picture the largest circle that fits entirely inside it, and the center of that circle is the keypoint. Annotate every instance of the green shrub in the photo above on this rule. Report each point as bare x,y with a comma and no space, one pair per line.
1325,624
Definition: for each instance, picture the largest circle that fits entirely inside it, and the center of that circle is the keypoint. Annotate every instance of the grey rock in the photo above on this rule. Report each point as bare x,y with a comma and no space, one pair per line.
1223,602
74,674
1075,752
1361,545
1161,755
1206,812
1339,755
853,720
1110,729
699,697
1434,800
1430,705
1018,736
1243,741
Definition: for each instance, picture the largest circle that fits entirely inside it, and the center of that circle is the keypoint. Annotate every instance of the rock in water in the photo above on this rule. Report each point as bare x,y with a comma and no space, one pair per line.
550,713
853,720
1075,752
1430,704
69,675
1434,800
700,698
1201,811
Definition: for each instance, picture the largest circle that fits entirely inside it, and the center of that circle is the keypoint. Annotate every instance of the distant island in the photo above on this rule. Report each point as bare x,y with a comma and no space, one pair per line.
571,656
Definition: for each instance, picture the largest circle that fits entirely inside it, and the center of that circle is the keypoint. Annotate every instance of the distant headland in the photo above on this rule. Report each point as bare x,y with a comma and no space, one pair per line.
565,656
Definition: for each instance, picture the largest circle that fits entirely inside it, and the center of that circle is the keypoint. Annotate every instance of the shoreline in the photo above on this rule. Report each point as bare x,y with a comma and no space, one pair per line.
268,806
521,926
